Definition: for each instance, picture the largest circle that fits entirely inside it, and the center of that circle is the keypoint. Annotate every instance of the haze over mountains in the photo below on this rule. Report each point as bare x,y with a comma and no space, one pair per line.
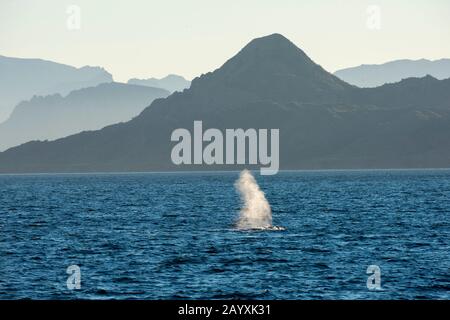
324,122
21,79
42,100
374,75
172,83
55,116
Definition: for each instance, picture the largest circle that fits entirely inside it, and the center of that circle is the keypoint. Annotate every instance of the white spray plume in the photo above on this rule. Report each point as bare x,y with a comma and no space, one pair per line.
256,212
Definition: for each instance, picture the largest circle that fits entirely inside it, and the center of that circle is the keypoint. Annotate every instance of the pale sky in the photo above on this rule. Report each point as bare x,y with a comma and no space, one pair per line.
146,38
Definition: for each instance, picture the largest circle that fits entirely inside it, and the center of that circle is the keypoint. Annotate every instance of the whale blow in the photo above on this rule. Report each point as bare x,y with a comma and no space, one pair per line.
256,212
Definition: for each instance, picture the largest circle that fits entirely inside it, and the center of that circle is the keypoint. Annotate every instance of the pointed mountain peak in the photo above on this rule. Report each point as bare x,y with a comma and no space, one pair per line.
272,39
274,46
274,68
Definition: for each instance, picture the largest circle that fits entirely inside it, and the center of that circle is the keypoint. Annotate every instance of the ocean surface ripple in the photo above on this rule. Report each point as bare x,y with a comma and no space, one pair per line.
172,236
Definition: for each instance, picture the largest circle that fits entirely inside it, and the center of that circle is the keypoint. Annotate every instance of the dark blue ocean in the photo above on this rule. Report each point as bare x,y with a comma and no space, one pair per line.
172,236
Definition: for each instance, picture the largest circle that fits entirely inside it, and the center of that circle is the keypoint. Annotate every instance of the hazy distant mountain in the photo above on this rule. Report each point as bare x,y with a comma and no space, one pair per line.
323,121
171,82
375,75
54,116
21,79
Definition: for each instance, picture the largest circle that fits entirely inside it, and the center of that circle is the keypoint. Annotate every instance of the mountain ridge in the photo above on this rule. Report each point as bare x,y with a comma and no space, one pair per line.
56,116
324,122
373,75
22,78
171,82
